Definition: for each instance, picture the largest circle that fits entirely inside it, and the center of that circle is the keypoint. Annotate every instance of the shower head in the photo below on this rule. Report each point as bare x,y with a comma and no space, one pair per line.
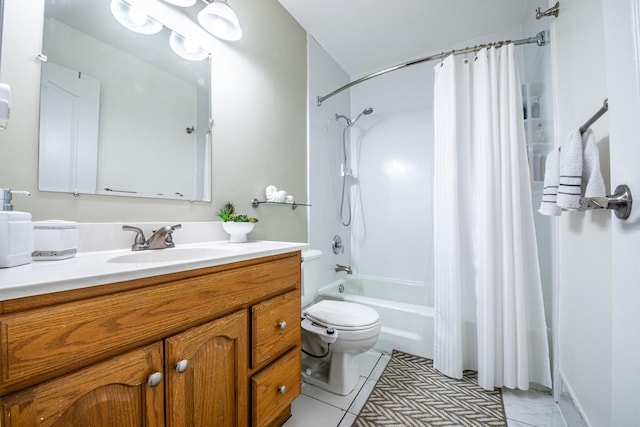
350,123
366,111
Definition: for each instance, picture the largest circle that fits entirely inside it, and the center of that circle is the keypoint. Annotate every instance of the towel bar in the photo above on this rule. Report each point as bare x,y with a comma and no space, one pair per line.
620,202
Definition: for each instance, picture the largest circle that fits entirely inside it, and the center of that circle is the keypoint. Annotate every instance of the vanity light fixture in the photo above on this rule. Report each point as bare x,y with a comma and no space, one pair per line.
133,18
220,20
186,48
181,3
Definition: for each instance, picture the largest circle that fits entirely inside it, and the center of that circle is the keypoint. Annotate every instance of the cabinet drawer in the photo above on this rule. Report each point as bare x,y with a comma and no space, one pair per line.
275,327
275,387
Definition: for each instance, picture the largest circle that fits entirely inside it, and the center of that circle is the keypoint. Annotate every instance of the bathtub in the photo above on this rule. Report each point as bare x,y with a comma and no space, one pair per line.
406,310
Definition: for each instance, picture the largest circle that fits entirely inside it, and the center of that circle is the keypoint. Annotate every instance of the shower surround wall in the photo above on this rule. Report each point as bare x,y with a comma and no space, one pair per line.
392,158
391,162
392,231
324,158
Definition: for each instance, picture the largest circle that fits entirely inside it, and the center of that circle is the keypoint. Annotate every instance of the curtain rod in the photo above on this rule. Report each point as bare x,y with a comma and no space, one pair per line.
540,39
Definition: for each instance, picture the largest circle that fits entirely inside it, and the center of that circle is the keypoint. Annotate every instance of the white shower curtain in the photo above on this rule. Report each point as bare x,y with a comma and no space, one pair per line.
489,314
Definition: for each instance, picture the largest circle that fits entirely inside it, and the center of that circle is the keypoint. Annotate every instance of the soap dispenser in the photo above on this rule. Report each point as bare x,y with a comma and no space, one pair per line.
16,232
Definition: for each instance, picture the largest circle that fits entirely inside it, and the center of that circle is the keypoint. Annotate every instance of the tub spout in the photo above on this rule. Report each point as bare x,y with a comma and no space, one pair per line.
343,268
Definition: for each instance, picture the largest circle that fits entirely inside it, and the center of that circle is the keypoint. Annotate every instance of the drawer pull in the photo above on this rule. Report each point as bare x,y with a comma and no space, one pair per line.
182,365
282,389
282,325
154,379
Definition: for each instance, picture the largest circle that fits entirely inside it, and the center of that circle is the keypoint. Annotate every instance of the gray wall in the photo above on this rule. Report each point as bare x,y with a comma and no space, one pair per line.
259,138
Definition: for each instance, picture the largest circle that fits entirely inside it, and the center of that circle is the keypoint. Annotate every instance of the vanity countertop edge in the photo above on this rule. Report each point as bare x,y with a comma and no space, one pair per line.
88,269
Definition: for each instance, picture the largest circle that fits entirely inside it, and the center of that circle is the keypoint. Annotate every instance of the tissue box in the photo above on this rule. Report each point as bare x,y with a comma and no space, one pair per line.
54,240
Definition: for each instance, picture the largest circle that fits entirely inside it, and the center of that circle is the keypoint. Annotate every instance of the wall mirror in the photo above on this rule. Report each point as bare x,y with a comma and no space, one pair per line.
120,112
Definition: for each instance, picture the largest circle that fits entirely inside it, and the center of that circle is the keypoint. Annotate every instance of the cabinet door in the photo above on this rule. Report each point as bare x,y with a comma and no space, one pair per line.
115,392
207,381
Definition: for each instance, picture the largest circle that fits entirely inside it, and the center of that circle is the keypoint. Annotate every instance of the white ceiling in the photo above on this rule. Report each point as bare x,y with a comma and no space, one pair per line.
364,36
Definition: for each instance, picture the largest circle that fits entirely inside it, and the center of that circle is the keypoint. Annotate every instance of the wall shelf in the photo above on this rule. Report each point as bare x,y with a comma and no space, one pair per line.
255,203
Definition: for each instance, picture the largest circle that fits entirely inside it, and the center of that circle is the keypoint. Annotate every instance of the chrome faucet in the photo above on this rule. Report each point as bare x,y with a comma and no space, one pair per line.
161,238
344,268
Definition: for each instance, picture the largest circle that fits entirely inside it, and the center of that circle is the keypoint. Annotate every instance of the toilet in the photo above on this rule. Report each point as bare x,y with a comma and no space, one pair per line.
333,333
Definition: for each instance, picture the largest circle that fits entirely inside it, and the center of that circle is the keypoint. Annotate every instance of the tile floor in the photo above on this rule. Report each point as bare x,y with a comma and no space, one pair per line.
318,408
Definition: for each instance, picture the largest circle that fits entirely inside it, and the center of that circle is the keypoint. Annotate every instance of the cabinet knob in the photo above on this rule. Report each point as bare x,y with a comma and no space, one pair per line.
282,389
155,379
282,325
182,365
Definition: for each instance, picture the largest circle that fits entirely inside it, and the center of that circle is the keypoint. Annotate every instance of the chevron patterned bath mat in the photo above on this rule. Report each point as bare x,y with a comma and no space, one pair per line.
411,392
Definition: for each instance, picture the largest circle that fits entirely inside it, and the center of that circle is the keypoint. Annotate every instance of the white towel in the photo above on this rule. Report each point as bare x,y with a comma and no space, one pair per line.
270,193
548,205
593,184
570,181
280,196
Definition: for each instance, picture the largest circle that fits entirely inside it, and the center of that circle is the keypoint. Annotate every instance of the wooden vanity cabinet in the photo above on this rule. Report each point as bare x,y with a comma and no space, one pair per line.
174,363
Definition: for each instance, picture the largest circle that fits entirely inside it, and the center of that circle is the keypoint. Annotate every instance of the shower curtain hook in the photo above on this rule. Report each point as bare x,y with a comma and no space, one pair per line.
442,59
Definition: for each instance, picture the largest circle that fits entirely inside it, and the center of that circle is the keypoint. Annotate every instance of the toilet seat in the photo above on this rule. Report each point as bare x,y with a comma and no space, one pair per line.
342,315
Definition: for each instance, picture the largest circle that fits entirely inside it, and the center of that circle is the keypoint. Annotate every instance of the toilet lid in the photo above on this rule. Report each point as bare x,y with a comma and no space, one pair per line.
342,314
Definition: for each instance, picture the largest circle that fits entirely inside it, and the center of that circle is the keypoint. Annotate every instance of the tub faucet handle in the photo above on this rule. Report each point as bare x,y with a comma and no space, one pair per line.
336,243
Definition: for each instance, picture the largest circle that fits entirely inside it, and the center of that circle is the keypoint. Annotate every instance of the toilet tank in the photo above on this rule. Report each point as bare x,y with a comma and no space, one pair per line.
310,275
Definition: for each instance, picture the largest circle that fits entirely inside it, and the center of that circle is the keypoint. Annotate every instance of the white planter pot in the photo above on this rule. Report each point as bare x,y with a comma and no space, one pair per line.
238,230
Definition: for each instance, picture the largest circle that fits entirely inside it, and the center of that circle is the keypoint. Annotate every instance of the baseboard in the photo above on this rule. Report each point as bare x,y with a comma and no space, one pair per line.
570,408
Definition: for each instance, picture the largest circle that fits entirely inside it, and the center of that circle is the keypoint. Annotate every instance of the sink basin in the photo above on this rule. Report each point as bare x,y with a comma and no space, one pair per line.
169,255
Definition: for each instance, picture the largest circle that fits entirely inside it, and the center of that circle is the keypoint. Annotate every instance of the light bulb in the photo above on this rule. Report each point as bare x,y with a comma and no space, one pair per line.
190,46
137,16
221,21
186,48
134,18
219,25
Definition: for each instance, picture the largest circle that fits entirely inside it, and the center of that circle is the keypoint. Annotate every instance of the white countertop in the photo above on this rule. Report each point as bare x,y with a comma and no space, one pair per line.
93,268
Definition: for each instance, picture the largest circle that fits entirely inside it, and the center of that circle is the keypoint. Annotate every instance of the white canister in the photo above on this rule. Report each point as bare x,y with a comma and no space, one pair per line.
55,240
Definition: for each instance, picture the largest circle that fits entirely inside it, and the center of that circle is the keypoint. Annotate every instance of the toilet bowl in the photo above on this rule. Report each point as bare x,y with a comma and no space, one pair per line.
333,334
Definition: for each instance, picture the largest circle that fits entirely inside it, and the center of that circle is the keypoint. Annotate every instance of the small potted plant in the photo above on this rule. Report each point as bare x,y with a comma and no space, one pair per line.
237,225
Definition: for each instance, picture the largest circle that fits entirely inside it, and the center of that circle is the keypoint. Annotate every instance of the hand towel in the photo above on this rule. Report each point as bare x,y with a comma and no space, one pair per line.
593,184
548,206
280,196
570,180
270,193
